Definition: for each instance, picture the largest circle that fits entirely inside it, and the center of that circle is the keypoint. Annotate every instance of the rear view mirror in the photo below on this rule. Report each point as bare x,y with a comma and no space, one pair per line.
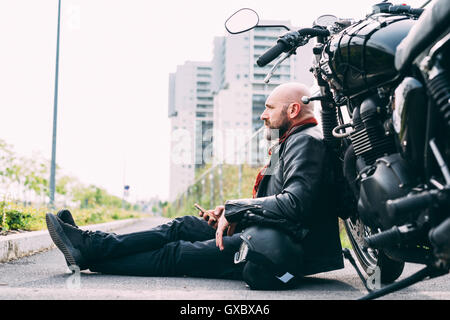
325,20
241,21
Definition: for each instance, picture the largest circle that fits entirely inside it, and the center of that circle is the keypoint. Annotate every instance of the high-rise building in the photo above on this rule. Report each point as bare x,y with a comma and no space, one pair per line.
240,91
215,106
191,113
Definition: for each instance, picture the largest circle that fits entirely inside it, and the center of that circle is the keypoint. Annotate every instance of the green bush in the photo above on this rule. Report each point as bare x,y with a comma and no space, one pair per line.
17,217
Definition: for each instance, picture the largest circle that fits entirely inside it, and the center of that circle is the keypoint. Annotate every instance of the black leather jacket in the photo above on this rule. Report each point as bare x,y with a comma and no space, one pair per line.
294,196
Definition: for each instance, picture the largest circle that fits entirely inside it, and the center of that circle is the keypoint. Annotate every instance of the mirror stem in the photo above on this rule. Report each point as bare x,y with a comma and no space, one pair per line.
272,26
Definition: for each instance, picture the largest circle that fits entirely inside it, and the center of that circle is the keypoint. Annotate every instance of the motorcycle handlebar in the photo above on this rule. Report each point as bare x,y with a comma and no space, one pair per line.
289,41
272,53
314,32
405,9
416,12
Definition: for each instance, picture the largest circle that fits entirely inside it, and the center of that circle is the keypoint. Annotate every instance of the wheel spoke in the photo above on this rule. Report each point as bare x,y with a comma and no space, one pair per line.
358,230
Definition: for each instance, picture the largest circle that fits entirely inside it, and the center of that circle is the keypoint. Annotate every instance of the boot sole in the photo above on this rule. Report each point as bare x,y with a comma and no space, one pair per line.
61,241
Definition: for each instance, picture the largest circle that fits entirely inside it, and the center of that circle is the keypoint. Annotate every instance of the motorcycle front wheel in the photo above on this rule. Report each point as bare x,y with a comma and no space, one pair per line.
371,259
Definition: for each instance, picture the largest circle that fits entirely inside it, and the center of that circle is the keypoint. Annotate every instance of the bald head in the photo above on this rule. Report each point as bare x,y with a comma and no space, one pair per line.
285,109
289,93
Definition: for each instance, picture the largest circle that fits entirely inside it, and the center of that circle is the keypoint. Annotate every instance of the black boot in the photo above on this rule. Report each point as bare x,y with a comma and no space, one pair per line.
81,248
70,240
66,217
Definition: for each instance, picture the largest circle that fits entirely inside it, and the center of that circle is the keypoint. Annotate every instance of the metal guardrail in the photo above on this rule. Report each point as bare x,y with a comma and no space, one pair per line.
209,174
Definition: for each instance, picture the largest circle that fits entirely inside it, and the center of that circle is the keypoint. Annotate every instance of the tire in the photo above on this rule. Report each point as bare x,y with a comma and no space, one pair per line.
371,259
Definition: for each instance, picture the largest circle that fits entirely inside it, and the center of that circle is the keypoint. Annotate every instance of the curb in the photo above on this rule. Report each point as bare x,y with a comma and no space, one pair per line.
16,246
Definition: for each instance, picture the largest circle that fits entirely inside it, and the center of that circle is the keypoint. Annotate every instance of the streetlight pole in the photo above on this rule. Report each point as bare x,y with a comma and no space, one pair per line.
55,115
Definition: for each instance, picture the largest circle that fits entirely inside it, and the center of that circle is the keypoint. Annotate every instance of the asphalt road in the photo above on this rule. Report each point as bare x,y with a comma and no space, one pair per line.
45,276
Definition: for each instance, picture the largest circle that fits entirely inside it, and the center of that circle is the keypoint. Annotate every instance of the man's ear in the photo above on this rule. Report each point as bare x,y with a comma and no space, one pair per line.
294,110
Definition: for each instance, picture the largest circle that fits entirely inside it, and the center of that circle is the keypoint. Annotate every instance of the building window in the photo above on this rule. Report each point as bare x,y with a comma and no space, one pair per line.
265,38
203,114
204,98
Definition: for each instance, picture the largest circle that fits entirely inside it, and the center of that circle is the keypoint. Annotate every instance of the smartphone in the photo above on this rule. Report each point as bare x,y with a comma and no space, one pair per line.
196,205
211,216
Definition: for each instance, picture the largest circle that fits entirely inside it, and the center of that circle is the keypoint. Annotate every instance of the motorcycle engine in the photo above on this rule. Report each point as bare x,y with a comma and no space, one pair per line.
383,174
387,179
370,138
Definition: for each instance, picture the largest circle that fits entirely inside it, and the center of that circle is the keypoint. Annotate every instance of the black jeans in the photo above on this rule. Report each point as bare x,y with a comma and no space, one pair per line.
184,246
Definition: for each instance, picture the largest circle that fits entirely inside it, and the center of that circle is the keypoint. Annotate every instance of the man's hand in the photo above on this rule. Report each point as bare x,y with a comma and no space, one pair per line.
221,227
212,216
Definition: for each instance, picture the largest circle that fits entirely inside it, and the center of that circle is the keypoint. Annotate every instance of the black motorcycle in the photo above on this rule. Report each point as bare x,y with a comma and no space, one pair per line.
385,112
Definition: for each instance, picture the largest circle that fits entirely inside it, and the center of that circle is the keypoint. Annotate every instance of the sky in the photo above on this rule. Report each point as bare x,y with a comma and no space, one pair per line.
115,58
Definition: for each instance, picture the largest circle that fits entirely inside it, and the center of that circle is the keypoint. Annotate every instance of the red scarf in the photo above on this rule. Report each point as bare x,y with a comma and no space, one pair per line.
282,139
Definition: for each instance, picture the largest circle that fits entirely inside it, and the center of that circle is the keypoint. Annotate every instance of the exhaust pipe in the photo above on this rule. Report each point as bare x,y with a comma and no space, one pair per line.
440,239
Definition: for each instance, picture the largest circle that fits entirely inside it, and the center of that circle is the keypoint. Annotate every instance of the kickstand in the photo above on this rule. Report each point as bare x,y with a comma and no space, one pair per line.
420,275
347,255
427,272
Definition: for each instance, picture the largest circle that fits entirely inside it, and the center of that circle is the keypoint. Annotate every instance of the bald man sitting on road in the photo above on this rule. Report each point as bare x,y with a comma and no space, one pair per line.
290,202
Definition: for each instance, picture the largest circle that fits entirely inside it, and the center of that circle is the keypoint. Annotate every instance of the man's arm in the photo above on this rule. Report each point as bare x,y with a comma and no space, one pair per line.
302,174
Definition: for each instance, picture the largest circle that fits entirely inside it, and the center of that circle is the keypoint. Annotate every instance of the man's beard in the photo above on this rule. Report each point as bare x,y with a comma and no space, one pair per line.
275,133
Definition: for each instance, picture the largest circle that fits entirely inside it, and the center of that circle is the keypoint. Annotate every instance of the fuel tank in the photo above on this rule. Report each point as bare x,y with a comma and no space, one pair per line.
362,56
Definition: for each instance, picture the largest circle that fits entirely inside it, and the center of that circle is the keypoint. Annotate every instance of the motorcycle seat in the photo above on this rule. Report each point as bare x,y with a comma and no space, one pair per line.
433,21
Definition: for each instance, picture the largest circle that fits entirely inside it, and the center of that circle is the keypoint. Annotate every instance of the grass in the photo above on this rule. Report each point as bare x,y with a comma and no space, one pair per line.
345,242
18,217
